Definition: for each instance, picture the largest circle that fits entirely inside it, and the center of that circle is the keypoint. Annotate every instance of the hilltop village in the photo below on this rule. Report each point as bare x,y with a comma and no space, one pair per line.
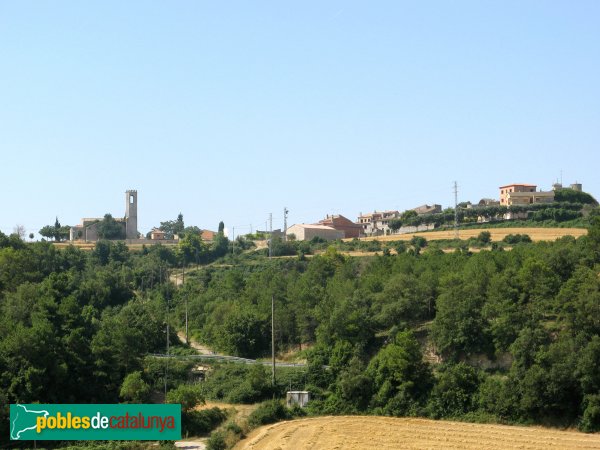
516,201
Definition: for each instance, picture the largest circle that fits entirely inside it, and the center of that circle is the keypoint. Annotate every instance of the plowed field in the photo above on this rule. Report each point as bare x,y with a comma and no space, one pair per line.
363,433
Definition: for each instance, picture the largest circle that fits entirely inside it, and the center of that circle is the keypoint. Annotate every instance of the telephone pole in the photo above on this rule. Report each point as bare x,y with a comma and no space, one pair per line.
272,339
186,321
270,234
272,306
455,210
285,213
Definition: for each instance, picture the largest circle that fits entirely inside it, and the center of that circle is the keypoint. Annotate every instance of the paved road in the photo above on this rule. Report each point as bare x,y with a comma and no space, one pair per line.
227,359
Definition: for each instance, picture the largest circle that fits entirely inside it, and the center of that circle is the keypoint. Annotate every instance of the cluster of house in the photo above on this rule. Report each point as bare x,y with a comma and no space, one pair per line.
377,223
332,227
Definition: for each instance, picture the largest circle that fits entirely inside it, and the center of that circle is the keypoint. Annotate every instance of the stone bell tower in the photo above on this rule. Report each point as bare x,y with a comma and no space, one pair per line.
131,231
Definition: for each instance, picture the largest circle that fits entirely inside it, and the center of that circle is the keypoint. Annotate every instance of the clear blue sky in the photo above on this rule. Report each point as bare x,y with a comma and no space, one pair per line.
231,110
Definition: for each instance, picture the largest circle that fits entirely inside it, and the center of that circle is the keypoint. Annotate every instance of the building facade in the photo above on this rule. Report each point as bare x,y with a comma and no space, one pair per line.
87,230
305,232
341,223
377,222
523,194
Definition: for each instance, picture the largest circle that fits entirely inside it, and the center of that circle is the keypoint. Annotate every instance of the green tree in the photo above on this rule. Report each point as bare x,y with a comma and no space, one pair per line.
401,379
485,237
459,326
48,231
173,227
109,228
187,395
454,391
134,388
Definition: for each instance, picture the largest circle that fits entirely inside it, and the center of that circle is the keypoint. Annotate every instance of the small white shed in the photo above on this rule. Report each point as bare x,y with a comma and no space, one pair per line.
299,398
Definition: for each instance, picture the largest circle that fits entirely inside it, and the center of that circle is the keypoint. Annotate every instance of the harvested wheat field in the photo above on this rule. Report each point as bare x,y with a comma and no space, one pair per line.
536,234
357,433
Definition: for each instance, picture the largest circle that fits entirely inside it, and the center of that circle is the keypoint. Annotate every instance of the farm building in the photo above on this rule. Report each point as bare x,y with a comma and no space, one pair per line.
305,232
341,223
299,398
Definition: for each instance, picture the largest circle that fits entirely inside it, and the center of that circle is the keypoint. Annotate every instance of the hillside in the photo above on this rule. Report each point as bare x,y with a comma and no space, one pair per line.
354,433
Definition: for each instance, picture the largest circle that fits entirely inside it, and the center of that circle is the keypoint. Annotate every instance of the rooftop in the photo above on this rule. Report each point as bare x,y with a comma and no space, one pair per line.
518,184
312,226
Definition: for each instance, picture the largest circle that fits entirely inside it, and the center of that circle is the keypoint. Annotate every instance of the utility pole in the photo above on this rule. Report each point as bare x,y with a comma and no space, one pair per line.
272,339
186,321
232,241
167,359
285,213
270,234
455,210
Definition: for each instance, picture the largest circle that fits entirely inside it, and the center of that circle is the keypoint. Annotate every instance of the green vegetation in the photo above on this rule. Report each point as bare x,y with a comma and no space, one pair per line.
571,208
517,331
109,228
57,231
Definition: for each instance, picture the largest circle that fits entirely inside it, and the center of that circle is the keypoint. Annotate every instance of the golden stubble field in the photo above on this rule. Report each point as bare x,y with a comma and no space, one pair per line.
536,234
369,432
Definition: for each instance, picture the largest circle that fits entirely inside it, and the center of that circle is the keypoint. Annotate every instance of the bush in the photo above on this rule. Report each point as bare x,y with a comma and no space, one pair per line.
216,441
485,237
235,383
134,388
590,422
201,422
517,239
453,393
189,396
268,412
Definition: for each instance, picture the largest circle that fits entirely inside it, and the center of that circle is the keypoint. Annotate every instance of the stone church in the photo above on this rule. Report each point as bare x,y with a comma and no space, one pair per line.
87,230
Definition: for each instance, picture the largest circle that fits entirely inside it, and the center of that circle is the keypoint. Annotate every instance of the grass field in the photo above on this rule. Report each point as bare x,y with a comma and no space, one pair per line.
536,234
90,245
369,432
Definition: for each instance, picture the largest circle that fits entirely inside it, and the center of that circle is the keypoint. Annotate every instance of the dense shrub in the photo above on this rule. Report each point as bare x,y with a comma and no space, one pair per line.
268,412
216,441
516,238
203,421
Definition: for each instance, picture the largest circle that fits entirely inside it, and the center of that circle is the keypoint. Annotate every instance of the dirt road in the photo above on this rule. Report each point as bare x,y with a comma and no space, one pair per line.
369,432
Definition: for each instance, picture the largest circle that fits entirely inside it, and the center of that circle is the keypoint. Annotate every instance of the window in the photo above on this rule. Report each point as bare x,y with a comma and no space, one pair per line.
131,199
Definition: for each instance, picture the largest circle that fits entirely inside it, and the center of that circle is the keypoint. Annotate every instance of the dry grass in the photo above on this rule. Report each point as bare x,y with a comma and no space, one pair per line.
369,432
536,234
90,245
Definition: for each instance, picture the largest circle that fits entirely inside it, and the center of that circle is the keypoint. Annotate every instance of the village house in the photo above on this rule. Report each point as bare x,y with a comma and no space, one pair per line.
157,235
377,222
305,232
427,209
341,223
523,194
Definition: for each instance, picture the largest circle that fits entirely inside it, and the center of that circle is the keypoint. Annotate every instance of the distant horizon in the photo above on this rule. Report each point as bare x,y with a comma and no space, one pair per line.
257,226
229,112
